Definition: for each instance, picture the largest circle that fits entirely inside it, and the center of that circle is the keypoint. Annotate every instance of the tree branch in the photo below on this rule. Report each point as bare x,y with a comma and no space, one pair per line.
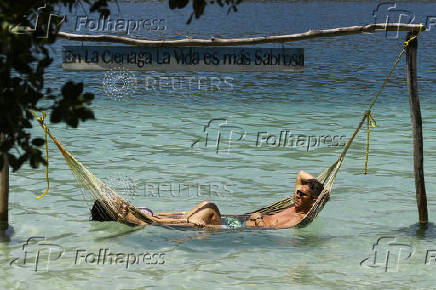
243,41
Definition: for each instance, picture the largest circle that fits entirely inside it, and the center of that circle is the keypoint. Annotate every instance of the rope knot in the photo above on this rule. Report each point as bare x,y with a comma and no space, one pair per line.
421,28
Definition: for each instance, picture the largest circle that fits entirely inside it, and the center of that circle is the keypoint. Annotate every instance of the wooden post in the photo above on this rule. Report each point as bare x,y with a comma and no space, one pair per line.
4,192
415,114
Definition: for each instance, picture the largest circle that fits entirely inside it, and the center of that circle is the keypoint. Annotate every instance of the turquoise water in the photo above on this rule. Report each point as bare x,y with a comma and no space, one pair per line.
142,141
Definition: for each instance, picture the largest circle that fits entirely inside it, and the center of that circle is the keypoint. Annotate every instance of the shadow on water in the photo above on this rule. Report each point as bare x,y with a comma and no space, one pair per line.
121,230
242,238
5,235
420,231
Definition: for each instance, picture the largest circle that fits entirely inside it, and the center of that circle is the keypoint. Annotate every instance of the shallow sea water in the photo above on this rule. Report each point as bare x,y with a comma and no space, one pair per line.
142,141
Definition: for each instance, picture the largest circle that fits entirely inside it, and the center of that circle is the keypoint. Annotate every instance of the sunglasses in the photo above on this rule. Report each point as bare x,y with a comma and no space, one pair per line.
300,193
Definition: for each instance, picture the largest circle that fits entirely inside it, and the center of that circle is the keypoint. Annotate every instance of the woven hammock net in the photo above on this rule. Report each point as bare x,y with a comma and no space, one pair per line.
111,203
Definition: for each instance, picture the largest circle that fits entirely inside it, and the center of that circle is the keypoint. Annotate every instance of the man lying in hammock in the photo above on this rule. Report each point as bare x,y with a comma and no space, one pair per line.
207,214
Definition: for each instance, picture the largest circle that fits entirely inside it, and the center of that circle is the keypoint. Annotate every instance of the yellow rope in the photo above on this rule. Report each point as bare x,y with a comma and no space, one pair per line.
41,121
370,120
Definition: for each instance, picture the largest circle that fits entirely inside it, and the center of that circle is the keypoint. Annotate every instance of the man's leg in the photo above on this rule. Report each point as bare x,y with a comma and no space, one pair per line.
184,215
205,213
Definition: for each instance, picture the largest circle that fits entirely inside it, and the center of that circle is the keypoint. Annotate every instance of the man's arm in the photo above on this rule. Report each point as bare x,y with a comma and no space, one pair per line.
254,220
302,177
259,220
276,221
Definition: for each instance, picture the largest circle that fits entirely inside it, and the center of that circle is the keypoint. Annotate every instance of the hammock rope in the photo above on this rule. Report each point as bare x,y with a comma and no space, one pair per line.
91,185
371,121
113,204
41,121
328,176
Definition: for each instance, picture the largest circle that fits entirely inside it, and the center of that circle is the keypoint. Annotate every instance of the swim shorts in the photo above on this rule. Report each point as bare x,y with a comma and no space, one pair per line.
232,223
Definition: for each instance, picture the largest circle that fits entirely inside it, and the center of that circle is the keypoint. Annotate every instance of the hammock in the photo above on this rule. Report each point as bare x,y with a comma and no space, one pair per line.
111,203
109,200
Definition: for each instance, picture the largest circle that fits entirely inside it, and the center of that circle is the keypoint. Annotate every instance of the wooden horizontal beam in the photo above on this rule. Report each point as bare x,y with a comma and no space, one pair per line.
371,28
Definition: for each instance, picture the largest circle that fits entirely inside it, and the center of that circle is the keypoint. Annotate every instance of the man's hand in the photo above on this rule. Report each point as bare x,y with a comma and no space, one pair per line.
255,220
303,176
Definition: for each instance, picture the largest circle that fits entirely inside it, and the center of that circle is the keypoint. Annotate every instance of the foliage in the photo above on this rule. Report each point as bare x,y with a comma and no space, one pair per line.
198,6
24,58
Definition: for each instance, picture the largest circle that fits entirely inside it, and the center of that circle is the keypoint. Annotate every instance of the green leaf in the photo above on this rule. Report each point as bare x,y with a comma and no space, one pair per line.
178,4
38,142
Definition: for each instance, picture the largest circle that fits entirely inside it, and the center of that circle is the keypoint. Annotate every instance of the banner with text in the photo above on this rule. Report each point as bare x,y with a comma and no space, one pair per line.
202,59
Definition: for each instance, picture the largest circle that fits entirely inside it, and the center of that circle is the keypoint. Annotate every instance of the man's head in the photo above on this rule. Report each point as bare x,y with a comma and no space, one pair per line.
315,187
308,193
